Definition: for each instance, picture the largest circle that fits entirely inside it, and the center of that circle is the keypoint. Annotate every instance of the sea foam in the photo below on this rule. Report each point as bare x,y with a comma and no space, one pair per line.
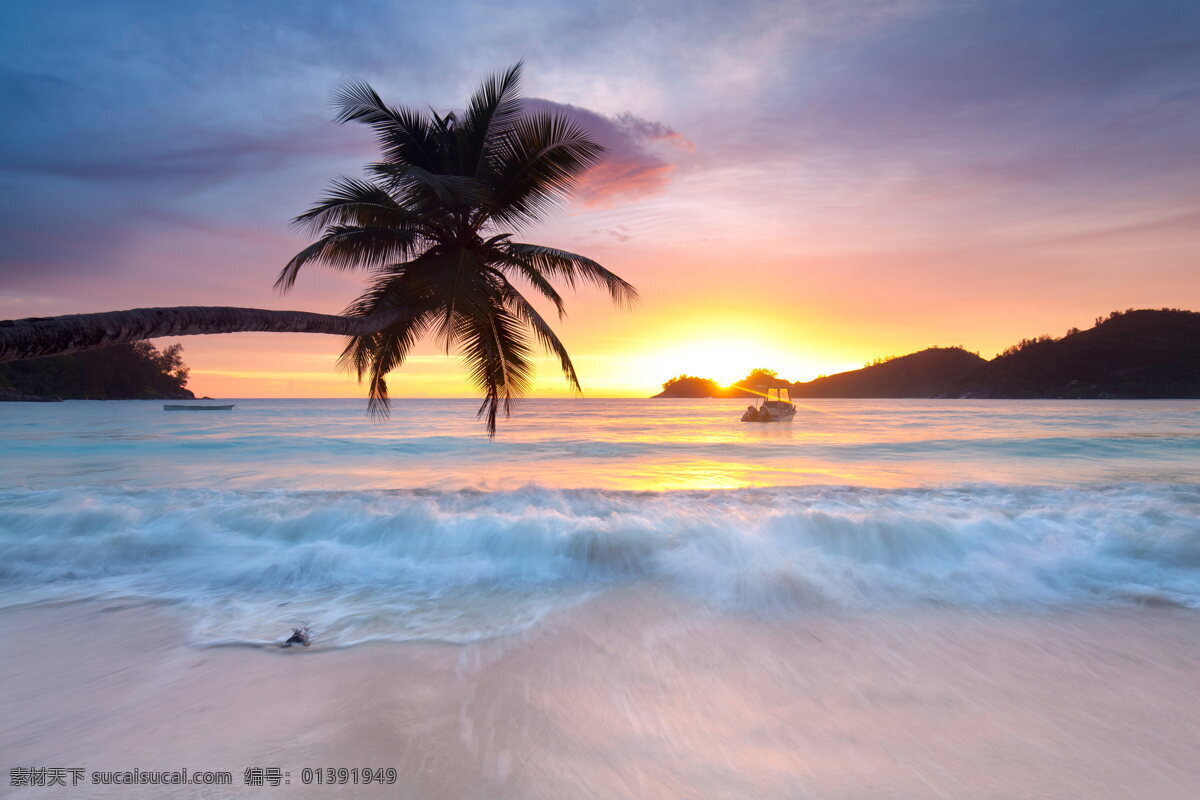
461,565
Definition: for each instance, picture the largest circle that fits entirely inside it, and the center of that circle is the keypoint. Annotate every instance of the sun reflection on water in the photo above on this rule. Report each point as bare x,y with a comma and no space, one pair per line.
653,445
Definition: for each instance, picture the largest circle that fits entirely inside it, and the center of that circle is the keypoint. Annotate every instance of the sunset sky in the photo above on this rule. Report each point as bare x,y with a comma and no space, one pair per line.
804,186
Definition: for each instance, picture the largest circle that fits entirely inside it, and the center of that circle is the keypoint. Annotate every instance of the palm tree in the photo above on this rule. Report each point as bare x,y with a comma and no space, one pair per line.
432,227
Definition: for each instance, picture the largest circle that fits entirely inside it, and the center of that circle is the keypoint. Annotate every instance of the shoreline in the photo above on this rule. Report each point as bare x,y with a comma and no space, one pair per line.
633,693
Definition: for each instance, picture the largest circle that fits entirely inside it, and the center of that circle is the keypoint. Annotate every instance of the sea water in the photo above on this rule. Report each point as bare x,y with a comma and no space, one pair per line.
307,512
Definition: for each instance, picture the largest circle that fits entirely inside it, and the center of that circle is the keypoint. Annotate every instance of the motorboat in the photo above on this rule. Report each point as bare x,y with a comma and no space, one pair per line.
774,404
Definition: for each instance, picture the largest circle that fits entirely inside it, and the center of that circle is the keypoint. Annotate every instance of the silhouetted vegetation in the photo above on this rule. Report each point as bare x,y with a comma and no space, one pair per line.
1029,344
690,386
1128,354
875,362
130,371
749,386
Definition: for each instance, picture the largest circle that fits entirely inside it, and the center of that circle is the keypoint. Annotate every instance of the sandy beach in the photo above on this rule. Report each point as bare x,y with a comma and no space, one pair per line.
632,694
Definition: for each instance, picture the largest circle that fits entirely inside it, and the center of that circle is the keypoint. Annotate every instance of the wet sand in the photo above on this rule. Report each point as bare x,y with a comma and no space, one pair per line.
634,694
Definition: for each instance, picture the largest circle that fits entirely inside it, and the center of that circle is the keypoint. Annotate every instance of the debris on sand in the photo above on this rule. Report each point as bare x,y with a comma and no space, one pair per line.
299,636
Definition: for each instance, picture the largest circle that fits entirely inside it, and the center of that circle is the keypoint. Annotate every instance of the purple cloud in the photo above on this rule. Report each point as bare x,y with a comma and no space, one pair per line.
637,164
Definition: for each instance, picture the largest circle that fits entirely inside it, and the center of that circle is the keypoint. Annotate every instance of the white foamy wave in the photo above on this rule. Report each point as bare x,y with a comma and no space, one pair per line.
457,566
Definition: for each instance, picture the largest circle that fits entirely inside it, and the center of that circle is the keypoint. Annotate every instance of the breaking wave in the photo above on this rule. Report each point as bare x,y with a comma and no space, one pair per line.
462,565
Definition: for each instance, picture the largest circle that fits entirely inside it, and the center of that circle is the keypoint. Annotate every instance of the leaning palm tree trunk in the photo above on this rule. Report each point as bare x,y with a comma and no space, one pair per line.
36,337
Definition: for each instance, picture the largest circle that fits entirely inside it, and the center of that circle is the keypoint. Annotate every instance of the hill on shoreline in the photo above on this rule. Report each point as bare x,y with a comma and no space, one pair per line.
1129,354
927,373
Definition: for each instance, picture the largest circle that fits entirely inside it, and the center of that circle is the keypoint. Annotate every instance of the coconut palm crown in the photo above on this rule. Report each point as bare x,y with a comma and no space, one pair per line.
433,225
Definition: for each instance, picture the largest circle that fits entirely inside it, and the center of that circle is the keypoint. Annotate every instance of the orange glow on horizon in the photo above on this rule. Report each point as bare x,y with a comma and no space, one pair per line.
724,351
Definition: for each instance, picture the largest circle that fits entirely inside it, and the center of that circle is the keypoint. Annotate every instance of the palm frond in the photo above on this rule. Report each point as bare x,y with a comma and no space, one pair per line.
379,353
498,358
572,268
490,115
506,264
429,192
525,311
351,201
384,352
405,136
539,164
345,247
456,275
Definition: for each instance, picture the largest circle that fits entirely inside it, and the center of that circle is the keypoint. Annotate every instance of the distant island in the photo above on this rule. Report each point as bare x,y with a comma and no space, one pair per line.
131,371
1129,354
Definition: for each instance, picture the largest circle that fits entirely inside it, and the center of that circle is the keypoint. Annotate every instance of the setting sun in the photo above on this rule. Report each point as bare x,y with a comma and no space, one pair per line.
727,346
722,360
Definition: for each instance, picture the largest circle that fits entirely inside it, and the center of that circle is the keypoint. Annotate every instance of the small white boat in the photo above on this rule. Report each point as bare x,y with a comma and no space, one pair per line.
182,407
770,408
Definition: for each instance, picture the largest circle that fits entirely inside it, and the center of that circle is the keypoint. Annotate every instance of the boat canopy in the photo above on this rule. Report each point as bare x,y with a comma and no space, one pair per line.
782,394
773,389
